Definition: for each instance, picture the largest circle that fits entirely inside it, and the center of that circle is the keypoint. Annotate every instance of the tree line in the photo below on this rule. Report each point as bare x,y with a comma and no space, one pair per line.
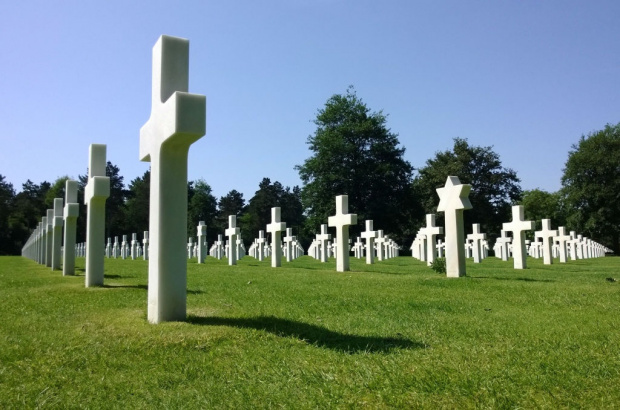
353,152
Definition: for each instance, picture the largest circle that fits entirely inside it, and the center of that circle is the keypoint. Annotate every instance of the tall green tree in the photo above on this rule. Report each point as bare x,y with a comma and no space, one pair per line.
7,196
137,204
57,190
29,207
591,186
258,212
493,188
230,204
539,205
355,153
201,206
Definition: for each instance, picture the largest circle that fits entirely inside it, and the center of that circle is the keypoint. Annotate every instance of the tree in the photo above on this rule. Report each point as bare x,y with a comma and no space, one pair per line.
57,190
258,212
354,153
28,209
493,188
539,205
7,196
591,186
137,205
202,206
230,204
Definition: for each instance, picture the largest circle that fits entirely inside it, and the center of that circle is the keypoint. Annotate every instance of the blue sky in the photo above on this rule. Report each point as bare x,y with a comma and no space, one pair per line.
526,77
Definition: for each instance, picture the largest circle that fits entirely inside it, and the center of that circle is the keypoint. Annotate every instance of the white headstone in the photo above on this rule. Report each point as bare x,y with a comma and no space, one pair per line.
518,226
341,221
453,200
431,231
275,228
477,237
202,241
96,192
369,234
562,239
71,212
323,239
57,233
178,119
547,234
232,233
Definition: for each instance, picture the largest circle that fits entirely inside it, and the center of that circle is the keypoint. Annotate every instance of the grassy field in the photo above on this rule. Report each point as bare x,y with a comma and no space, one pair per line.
395,334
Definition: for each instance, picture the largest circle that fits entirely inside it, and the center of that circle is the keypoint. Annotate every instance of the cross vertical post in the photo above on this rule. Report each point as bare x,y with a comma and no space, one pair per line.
177,120
57,233
518,226
275,228
341,221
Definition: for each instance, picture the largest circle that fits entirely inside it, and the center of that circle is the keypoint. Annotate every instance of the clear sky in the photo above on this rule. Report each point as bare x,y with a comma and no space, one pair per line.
526,77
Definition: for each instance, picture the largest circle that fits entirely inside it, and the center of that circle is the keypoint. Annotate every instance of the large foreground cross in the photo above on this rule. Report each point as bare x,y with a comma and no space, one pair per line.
178,119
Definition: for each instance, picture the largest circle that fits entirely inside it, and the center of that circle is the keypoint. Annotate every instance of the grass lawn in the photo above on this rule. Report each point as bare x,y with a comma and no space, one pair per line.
394,334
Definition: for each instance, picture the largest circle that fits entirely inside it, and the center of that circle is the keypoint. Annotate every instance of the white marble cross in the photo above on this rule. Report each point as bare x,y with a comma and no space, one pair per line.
504,241
453,200
288,244
145,242
275,228
177,120
341,221
431,231
562,239
518,226
547,234
477,237
49,233
261,245
369,235
57,233
96,192
232,233
323,238
201,231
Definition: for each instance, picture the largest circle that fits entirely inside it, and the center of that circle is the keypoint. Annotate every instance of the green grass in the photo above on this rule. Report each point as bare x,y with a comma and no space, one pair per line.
394,334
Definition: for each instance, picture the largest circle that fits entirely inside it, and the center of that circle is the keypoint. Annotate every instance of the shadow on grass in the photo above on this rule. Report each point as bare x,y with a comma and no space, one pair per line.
145,287
311,334
521,279
106,276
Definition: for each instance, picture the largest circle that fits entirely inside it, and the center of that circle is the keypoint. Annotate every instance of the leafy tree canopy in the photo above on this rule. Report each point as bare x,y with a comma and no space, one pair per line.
539,205
591,186
494,188
354,153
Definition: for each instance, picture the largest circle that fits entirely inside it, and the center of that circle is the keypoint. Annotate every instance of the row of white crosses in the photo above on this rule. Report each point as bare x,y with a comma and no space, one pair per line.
127,249
45,245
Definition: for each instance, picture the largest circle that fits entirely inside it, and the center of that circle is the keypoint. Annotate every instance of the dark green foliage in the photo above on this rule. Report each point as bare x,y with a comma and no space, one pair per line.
539,205
137,205
591,186
7,197
494,188
355,154
439,265
201,206
258,212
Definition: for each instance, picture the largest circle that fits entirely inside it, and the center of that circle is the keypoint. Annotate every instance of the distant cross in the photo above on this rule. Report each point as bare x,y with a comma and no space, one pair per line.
431,231
369,234
562,239
49,233
379,241
288,243
547,234
477,237
96,192
201,231
232,232
178,119
503,241
341,221
323,239
57,233
453,200
145,242
275,228
261,245
572,243
518,226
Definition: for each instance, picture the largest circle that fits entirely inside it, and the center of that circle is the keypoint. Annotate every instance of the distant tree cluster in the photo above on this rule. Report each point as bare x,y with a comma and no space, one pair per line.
353,152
